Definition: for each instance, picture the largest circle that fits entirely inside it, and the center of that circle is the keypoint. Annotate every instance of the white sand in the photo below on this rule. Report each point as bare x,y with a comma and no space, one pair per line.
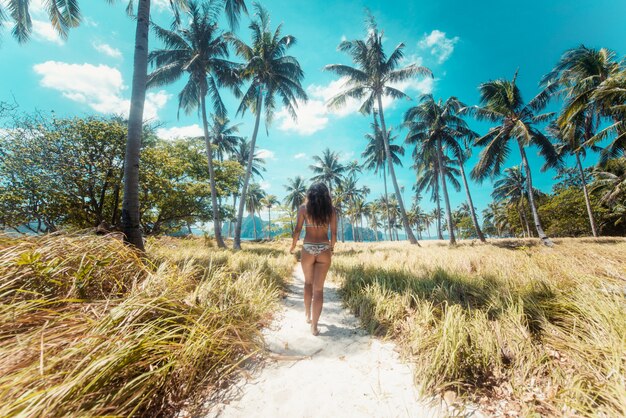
343,372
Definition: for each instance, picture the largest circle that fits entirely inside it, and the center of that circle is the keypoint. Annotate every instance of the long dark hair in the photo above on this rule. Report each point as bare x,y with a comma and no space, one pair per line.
319,206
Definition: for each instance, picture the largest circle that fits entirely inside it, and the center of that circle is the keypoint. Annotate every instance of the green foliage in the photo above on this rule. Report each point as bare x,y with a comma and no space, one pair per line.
68,173
565,213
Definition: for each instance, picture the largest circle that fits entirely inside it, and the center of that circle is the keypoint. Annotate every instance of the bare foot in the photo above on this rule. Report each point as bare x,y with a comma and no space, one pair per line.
314,330
308,320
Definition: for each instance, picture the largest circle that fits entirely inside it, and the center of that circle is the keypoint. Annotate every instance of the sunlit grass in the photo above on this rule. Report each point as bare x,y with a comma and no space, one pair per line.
543,330
87,329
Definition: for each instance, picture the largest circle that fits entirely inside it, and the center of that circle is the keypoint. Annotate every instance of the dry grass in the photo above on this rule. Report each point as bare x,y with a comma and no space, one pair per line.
87,329
513,325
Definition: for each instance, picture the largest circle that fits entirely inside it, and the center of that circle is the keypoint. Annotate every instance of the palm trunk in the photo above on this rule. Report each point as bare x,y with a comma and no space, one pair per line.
531,199
256,237
343,228
131,223
269,223
230,224
405,221
387,204
479,232
217,226
444,188
244,189
521,220
592,221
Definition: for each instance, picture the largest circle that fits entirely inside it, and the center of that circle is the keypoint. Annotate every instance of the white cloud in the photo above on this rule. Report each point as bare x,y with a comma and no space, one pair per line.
265,185
107,50
440,46
190,131
346,156
265,154
314,115
161,4
299,155
44,31
98,86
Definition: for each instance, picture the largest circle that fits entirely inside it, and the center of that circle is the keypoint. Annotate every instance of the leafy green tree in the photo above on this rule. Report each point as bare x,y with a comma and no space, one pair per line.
565,213
271,74
374,76
502,103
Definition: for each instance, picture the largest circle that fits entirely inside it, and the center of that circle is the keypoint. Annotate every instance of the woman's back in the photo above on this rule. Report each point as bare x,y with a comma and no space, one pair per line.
314,232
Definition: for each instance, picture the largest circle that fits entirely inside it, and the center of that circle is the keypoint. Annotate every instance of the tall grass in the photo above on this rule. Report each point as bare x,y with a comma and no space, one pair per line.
514,326
88,329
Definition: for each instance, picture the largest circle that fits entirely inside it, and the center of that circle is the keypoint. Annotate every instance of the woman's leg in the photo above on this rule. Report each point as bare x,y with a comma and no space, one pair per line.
321,266
307,261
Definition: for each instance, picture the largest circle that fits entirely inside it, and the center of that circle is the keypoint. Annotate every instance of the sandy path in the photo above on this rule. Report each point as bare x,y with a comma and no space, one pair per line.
341,373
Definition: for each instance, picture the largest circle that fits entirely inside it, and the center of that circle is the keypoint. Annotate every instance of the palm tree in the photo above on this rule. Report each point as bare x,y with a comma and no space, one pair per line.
269,201
512,190
200,51
495,212
241,154
253,203
610,97
433,174
435,126
353,168
271,73
463,156
63,16
373,78
327,168
224,137
580,74
376,157
502,103
568,144
296,193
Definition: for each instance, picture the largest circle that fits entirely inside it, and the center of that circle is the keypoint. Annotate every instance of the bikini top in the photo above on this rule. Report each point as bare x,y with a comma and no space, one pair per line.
310,225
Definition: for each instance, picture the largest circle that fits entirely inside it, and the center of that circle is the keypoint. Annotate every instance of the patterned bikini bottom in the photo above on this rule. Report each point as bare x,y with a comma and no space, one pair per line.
315,248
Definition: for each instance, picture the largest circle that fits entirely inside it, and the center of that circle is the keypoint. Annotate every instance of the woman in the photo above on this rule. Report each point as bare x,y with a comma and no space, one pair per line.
317,215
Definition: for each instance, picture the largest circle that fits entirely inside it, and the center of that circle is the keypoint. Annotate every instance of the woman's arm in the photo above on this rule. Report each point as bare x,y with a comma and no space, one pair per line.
333,229
296,232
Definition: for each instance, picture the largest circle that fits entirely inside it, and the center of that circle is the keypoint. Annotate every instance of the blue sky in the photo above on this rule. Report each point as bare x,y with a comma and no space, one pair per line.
464,43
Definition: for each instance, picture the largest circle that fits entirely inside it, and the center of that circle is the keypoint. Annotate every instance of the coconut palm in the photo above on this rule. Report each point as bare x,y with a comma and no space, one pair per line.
353,168
568,143
431,173
375,76
502,103
436,126
376,157
253,203
579,74
511,189
63,16
296,193
495,212
610,97
198,51
272,74
269,201
224,136
327,168
241,154
463,156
